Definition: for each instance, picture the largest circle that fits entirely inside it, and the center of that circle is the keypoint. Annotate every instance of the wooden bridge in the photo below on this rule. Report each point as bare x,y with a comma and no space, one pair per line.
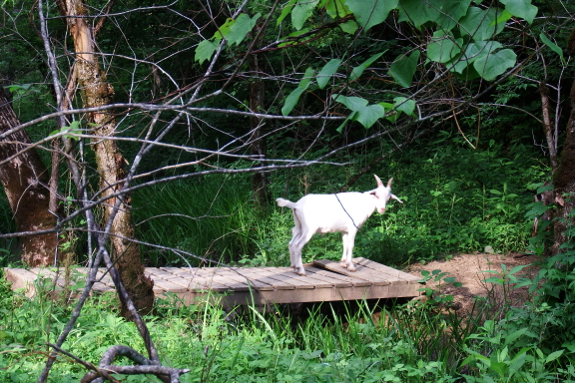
325,281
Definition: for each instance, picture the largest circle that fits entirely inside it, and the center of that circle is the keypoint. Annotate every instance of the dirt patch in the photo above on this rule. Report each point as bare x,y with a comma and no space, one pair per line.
469,269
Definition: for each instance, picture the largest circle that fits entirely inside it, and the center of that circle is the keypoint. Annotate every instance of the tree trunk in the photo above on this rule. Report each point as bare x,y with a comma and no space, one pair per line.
564,181
96,91
25,180
547,124
258,144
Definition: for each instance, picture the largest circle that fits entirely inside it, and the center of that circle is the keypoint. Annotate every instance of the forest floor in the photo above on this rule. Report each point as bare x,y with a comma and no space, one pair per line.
469,269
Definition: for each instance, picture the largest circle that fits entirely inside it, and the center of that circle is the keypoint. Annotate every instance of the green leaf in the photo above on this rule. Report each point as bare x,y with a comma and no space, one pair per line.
449,280
509,339
294,34
301,12
554,355
474,51
365,114
369,115
371,12
240,28
306,79
327,71
450,11
336,8
285,11
404,105
416,12
554,47
292,100
352,103
495,64
358,70
349,118
517,362
25,88
521,8
69,131
498,367
478,23
496,280
518,268
502,18
443,47
293,97
538,209
349,27
205,50
403,68
224,29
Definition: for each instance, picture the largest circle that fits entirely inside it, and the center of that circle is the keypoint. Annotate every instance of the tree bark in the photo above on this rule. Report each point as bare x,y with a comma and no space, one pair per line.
547,124
24,179
258,144
96,91
564,182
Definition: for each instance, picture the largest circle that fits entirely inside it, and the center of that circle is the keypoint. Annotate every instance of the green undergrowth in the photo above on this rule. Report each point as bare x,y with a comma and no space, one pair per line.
209,217
456,200
415,342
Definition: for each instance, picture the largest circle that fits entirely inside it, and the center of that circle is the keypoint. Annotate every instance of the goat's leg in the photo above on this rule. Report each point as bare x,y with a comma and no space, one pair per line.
348,240
296,238
293,248
297,248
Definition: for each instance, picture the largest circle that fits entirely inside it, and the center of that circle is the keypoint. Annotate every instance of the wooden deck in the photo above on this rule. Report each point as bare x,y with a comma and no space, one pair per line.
325,281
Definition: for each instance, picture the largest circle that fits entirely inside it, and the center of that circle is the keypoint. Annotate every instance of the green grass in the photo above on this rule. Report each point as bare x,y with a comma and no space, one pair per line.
209,217
402,343
457,200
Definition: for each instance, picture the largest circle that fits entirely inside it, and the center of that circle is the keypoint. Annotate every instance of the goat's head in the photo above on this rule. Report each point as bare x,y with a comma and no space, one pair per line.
382,194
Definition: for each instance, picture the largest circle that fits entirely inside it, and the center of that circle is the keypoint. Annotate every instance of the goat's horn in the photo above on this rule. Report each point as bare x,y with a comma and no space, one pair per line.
389,182
379,183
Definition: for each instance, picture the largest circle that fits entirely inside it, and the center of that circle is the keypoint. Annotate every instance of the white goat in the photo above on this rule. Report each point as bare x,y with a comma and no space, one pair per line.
330,213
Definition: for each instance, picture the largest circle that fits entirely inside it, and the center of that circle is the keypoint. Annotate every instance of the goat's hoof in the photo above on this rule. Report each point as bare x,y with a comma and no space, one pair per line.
351,268
302,273
344,265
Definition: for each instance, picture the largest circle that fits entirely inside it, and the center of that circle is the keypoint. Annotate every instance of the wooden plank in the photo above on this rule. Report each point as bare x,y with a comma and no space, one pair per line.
362,272
327,282
309,279
21,279
213,274
255,280
285,275
195,279
351,280
167,285
266,276
103,282
386,270
335,282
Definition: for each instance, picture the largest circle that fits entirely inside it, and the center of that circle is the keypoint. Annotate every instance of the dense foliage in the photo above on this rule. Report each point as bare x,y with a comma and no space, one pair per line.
221,107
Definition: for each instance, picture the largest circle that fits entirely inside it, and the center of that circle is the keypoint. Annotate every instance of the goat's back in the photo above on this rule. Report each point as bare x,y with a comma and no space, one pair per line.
325,213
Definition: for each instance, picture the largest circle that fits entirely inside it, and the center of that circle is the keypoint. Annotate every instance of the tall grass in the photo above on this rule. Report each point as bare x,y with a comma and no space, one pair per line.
413,343
210,217
456,200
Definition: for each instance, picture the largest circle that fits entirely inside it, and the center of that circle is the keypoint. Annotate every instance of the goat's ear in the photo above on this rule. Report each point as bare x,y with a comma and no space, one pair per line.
389,182
395,198
379,183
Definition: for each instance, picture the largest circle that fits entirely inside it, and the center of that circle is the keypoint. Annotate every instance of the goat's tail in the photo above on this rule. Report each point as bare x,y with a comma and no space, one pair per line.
285,203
